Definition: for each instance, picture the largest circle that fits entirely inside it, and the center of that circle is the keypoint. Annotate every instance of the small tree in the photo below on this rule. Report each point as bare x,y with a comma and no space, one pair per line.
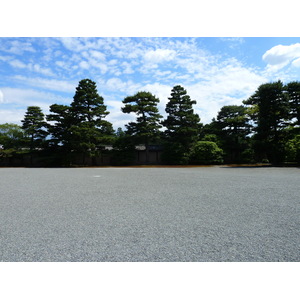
35,126
146,127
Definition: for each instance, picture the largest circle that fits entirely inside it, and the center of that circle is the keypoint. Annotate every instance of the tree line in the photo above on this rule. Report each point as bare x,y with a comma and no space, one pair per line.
265,128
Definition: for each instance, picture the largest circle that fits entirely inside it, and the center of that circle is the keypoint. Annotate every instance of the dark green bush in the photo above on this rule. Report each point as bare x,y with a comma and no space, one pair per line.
206,153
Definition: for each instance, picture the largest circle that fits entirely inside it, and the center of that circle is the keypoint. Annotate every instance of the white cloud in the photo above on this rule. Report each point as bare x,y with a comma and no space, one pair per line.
161,91
48,84
117,85
159,55
12,115
97,54
5,58
280,56
72,44
29,97
233,39
127,68
124,66
116,116
16,101
84,65
17,64
99,65
229,85
296,63
61,64
18,47
1,97
38,69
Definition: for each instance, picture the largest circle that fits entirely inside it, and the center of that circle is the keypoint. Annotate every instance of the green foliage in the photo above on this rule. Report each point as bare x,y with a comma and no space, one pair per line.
61,122
87,131
11,136
206,153
293,90
266,129
270,113
147,124
144,105
182,123
35,126
175,154
88,105
123,150
293,149
233,130
182,127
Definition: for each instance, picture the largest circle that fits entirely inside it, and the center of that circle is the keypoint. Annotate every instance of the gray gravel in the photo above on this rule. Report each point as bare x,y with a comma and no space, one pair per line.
211,214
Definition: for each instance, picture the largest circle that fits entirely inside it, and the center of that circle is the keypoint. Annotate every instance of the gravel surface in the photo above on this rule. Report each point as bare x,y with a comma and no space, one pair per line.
211,214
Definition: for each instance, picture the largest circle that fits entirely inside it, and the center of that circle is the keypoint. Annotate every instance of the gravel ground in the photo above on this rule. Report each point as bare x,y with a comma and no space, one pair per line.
211,214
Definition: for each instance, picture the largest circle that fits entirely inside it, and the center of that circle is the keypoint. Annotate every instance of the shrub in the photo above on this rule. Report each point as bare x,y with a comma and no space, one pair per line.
293,149
206,153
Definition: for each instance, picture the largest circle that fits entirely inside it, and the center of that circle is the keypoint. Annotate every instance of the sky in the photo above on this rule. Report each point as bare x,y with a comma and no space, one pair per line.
215,71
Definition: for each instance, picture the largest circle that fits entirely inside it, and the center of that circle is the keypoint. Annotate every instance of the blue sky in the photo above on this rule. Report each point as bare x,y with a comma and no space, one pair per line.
215,71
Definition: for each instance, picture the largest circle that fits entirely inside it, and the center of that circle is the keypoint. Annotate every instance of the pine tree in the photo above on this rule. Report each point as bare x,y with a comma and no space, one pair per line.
59,129
146,128
182,126
34,126
89,131
270,106
293,89
234,128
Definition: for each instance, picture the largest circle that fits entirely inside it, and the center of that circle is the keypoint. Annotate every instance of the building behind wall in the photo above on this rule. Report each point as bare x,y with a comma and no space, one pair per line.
155,152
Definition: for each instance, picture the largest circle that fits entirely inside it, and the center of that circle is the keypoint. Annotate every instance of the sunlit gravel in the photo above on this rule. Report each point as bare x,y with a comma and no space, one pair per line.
211,214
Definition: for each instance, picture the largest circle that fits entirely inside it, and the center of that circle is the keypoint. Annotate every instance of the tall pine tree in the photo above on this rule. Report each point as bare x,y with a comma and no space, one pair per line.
293,89
234,128
146,127
270,106
59,129
34,126
182,126
89,131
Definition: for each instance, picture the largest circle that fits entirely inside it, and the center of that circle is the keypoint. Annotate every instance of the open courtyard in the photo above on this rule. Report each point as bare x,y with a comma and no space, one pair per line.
199,214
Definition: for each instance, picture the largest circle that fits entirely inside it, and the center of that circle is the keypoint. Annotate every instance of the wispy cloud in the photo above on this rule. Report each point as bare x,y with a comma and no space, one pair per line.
32,67
47,70
1,97
28,97
48,84
16,100
17,64
159,55
17,47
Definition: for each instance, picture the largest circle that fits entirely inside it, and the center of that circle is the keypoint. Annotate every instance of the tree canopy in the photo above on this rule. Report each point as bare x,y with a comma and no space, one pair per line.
88,130
147,124
182,126
265,128
34,125
270,118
